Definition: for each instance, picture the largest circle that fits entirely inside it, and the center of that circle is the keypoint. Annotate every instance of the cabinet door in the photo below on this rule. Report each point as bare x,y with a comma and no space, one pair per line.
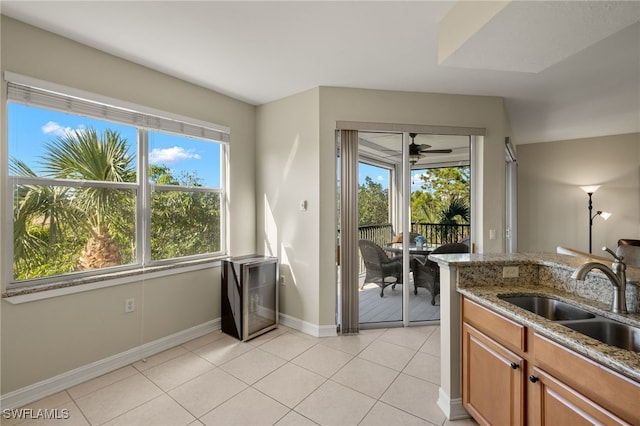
261,298
492,380
595,382
554,403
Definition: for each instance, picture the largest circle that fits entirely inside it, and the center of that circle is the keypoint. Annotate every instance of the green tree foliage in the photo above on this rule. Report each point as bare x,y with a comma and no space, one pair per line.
373,203
422,209
182,223
88,156
456,212
62,229
442,195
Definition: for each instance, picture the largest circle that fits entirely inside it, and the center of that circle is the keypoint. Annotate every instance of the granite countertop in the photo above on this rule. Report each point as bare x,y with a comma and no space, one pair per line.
563,261
486,289
623,361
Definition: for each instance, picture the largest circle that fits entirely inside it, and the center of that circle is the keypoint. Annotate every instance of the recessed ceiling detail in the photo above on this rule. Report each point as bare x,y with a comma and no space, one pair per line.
507,36
577,62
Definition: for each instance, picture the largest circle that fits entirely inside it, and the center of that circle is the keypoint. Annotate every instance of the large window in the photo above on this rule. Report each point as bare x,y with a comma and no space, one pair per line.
185,196
98,188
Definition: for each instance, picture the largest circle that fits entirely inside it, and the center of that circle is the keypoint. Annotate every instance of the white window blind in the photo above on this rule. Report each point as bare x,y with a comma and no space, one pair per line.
38,97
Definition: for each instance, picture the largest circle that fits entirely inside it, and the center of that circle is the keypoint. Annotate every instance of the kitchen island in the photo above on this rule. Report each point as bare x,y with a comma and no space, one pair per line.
486,279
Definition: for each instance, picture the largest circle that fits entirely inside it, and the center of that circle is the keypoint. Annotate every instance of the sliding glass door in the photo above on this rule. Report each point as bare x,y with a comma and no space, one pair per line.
382,278
411,196
440,212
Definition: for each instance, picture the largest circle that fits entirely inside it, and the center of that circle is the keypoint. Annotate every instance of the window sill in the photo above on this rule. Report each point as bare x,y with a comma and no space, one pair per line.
46,291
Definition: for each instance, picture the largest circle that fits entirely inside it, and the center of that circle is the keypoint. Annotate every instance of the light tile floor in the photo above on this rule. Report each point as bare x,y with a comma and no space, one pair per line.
284,377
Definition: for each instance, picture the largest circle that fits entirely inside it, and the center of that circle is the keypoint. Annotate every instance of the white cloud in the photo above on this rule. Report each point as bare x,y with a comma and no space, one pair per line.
417,178
381,178
171,155
56,129
417,181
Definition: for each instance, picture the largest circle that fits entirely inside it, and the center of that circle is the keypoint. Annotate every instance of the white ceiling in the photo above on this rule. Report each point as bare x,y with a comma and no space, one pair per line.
566,69
386,148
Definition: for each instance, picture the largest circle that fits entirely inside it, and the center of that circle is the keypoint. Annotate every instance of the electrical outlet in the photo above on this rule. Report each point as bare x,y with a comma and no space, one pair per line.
510,272
281,279
129,305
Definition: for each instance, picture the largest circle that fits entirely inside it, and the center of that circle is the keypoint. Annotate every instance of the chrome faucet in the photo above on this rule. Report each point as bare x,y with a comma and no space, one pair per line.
616,275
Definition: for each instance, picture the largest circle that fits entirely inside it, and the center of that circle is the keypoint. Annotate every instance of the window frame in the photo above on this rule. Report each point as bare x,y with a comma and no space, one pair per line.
144,120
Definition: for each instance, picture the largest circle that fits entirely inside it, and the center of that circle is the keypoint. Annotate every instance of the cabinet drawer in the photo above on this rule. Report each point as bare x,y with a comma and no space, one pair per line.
611,390
507,332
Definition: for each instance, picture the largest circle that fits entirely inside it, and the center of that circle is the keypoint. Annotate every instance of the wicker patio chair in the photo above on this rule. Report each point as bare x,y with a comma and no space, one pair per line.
381,269
426,273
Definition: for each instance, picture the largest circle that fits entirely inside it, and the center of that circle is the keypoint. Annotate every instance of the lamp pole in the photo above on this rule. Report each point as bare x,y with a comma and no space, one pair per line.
590,189
590,218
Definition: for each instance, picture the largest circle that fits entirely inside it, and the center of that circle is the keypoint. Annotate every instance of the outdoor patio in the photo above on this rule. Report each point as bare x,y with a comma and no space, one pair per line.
374,308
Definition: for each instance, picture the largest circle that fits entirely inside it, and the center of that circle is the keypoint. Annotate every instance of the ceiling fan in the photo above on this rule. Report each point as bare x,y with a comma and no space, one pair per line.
416,151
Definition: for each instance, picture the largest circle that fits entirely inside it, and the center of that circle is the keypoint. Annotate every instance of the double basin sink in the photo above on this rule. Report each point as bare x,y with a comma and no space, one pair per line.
607,331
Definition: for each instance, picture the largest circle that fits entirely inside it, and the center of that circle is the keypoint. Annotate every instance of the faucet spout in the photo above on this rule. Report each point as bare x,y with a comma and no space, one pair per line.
617,277
585,268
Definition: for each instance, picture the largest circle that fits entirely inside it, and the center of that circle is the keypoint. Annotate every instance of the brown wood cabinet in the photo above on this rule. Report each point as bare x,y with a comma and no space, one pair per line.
493,380
512,376
552,402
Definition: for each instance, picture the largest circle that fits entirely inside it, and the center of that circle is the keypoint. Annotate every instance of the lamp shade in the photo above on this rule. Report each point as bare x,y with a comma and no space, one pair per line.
605,215
590,189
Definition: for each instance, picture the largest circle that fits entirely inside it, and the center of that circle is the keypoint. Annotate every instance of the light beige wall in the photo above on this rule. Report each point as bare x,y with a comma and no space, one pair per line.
552,210
297,140
42,339
341,104
287,174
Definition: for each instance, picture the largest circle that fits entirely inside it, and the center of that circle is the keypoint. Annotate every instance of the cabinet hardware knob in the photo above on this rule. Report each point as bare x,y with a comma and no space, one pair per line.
533,379
515,365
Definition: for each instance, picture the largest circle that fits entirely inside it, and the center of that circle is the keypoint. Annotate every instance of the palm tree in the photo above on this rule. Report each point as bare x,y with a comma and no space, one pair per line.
456,212
86,156
45,206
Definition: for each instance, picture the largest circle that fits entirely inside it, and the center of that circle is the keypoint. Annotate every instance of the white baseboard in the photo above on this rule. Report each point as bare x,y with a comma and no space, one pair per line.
44,388
307,327
452,408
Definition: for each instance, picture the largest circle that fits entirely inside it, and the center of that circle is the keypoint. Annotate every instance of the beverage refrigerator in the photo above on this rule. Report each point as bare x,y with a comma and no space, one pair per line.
249,296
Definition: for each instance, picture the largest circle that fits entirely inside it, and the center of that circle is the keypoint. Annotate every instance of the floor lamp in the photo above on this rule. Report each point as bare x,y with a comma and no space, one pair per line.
605,215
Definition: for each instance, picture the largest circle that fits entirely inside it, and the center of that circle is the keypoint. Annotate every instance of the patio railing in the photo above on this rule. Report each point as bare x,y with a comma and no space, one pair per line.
440,233
380,234
434,233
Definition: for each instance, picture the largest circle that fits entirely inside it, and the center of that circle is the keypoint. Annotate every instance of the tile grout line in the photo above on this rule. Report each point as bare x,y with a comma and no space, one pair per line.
378,337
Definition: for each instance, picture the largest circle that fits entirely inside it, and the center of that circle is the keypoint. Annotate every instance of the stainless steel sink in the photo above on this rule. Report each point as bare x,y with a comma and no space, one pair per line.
605,330
551,309
612,333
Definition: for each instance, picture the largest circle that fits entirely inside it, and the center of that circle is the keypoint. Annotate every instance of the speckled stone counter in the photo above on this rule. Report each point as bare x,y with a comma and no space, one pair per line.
480,279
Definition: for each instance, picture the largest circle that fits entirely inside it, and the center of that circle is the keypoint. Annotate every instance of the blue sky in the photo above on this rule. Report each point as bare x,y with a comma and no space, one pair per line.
31,128
381,175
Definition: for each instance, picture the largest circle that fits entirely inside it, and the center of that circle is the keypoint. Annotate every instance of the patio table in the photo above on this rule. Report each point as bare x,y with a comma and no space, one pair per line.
413,250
